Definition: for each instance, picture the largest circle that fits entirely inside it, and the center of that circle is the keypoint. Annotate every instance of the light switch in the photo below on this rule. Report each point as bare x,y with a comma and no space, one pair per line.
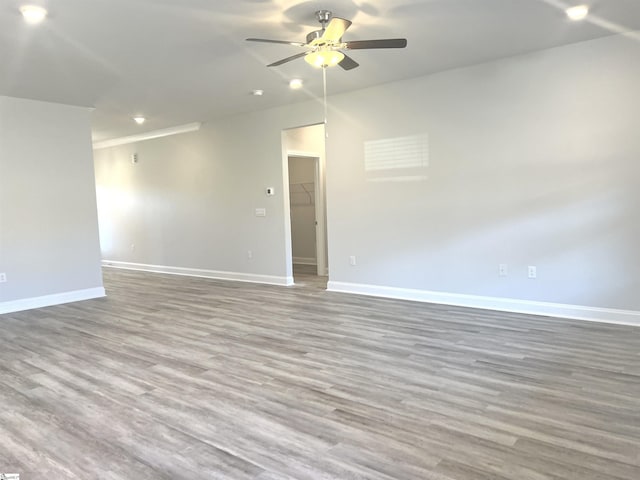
261,212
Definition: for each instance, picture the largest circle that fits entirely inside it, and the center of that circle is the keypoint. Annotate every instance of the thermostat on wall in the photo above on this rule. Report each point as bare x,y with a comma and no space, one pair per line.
270,191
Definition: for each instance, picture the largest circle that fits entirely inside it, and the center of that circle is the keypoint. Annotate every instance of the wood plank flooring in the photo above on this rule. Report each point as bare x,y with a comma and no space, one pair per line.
184,378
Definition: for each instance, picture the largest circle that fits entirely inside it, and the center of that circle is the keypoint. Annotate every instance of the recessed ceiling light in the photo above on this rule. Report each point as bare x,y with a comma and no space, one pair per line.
139,119
257,92
578,12
295,83
33,14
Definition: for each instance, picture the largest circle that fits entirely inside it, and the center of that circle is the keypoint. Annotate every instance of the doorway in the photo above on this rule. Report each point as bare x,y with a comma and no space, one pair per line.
306,235
304,177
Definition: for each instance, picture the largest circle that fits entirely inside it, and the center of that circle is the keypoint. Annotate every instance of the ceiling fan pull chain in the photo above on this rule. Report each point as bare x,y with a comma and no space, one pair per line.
324,90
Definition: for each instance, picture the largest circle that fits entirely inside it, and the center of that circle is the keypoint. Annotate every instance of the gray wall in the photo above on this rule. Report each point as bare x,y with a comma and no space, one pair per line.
532,161
48,222
189,202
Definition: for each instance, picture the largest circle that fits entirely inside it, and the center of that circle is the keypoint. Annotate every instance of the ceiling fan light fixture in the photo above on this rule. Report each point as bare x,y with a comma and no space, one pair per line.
324,58
33,14
578,12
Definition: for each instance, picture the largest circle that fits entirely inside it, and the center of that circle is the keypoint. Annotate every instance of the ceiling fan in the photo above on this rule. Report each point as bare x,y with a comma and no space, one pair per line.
323,47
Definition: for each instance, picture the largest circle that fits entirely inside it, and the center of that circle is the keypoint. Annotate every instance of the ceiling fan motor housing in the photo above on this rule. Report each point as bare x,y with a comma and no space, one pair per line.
315,35
324,17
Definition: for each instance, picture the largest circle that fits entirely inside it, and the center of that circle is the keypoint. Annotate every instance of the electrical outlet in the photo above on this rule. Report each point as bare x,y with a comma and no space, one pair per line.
3,277
352,260
503,270
249,254
532,272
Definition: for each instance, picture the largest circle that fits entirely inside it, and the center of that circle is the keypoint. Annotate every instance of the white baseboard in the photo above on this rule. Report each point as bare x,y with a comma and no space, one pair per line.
198,272
304,261
50,300
577,312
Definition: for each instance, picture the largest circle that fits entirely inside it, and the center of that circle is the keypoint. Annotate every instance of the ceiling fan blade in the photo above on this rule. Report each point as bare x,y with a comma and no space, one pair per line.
384,43
288,59
265,40
348,63
336,28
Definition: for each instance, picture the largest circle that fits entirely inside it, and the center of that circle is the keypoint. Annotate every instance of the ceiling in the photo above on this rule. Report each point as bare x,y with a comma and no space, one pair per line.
183,61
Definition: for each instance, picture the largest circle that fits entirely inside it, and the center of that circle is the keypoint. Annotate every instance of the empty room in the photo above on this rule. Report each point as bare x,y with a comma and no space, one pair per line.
300,240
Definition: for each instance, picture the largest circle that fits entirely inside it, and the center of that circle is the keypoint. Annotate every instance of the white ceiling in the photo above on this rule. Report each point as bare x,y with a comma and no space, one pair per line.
182,61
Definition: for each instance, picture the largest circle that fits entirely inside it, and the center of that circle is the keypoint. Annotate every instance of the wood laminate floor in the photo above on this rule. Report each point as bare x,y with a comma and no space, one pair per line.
306,276
184,378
